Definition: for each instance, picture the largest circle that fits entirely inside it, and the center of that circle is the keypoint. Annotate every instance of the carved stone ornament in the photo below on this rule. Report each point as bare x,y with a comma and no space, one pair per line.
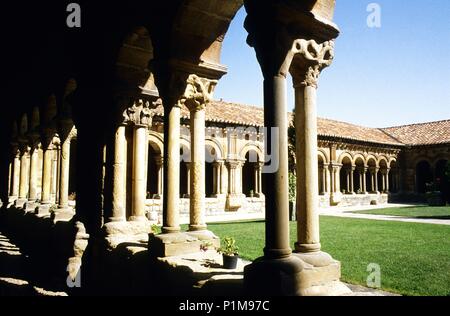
198,93
138,114
309,60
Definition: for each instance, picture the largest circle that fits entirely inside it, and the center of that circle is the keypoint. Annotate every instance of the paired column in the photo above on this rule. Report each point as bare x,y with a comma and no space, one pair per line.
258,179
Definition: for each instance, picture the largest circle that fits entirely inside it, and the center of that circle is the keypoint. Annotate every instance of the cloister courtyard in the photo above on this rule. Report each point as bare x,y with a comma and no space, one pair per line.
123,173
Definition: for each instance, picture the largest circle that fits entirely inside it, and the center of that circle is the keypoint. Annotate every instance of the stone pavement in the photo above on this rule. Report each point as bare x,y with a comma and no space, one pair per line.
16,273
347,212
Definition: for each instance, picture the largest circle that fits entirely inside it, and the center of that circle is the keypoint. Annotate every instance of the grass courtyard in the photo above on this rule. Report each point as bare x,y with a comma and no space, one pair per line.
414,258
425,212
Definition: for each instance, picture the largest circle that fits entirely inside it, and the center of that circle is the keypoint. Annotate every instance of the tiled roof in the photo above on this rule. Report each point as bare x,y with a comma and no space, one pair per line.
327,127
422,134
246,115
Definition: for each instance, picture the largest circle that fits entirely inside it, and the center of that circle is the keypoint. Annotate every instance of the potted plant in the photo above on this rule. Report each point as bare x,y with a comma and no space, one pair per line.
230,253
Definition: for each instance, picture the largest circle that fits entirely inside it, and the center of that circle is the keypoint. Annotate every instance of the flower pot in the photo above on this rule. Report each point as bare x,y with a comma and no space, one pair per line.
230,262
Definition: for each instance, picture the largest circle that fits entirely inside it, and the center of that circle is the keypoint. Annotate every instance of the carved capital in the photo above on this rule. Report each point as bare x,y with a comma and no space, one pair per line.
198,92
309,60
138,113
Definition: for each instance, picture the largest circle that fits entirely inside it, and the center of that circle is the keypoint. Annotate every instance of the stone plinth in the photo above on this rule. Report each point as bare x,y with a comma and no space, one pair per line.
176,244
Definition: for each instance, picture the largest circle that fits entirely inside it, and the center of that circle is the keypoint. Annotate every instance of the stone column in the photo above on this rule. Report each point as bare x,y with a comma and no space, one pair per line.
47,174
63,203
15,174
139,171
327,179
188,180
387,186
159,166
307,166
34,168
305,70
120,176
217,183
324,180
197,170
259,190
171,182
54,177
347,176
197,95
352,180
376,178
24,175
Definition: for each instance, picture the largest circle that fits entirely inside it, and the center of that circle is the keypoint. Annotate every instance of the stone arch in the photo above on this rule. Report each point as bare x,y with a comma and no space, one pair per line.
249,176
321,153
371,158
382,159
440,157
133,60
422,158
256,148
345,155
392,160
156,142
358,157
214,143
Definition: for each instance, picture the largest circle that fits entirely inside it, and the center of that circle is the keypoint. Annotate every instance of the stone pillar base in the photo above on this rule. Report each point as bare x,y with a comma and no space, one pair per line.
234,202
62,214
11,199
181,243
273,277
296,275
335,199
43,210
30,206
20,203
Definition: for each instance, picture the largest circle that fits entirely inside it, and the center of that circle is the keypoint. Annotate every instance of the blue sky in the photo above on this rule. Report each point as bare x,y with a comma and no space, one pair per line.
394,75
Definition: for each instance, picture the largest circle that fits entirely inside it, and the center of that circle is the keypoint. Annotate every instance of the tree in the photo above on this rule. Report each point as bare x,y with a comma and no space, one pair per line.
291,144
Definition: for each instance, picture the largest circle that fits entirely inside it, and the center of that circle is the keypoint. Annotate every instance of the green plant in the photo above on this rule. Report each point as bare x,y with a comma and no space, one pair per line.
229,248
155,229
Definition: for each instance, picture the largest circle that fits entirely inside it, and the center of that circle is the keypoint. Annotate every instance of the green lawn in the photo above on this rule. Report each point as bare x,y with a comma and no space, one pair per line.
415,211
414,258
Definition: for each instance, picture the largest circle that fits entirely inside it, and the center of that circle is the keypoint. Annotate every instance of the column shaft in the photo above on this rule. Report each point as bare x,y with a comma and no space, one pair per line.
139,171
15,176
307,170
24,175
277,202
171,182
197,167
46,175
120,176
34,166
64,175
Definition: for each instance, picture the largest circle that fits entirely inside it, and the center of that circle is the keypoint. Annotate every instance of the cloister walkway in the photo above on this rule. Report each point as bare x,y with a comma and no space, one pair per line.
348,212
18,276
